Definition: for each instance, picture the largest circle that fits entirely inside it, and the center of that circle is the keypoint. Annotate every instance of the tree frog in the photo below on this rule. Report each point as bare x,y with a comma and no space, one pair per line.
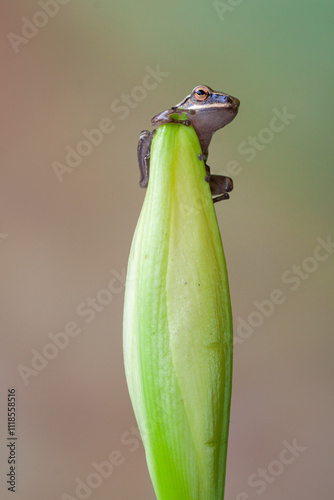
207,111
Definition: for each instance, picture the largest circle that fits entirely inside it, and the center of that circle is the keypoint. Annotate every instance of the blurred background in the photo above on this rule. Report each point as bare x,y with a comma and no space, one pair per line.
80,80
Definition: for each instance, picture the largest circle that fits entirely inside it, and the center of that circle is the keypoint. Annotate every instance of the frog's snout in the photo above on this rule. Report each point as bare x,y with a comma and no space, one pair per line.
234,102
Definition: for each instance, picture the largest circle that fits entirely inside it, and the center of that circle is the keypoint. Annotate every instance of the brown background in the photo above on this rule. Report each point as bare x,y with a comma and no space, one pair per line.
62,242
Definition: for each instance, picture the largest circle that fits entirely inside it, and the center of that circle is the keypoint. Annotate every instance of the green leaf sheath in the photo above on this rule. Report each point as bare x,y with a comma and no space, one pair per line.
178,325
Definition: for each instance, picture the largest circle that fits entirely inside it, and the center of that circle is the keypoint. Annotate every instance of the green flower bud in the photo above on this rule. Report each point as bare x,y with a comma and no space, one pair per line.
178,325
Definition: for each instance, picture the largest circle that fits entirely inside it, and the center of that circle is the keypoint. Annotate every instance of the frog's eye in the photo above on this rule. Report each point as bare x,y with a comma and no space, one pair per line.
201,93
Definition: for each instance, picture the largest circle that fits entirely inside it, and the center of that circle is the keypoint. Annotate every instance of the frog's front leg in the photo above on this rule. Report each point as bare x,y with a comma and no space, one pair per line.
169,116
143,154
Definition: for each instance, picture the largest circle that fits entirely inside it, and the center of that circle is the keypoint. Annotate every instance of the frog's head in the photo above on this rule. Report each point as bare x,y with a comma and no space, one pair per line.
208,109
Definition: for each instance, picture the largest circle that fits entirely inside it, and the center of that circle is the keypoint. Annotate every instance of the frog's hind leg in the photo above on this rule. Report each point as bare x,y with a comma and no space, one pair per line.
143,154
220,187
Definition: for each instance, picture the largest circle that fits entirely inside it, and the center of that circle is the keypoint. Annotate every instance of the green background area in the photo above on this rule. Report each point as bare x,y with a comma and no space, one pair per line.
62,243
